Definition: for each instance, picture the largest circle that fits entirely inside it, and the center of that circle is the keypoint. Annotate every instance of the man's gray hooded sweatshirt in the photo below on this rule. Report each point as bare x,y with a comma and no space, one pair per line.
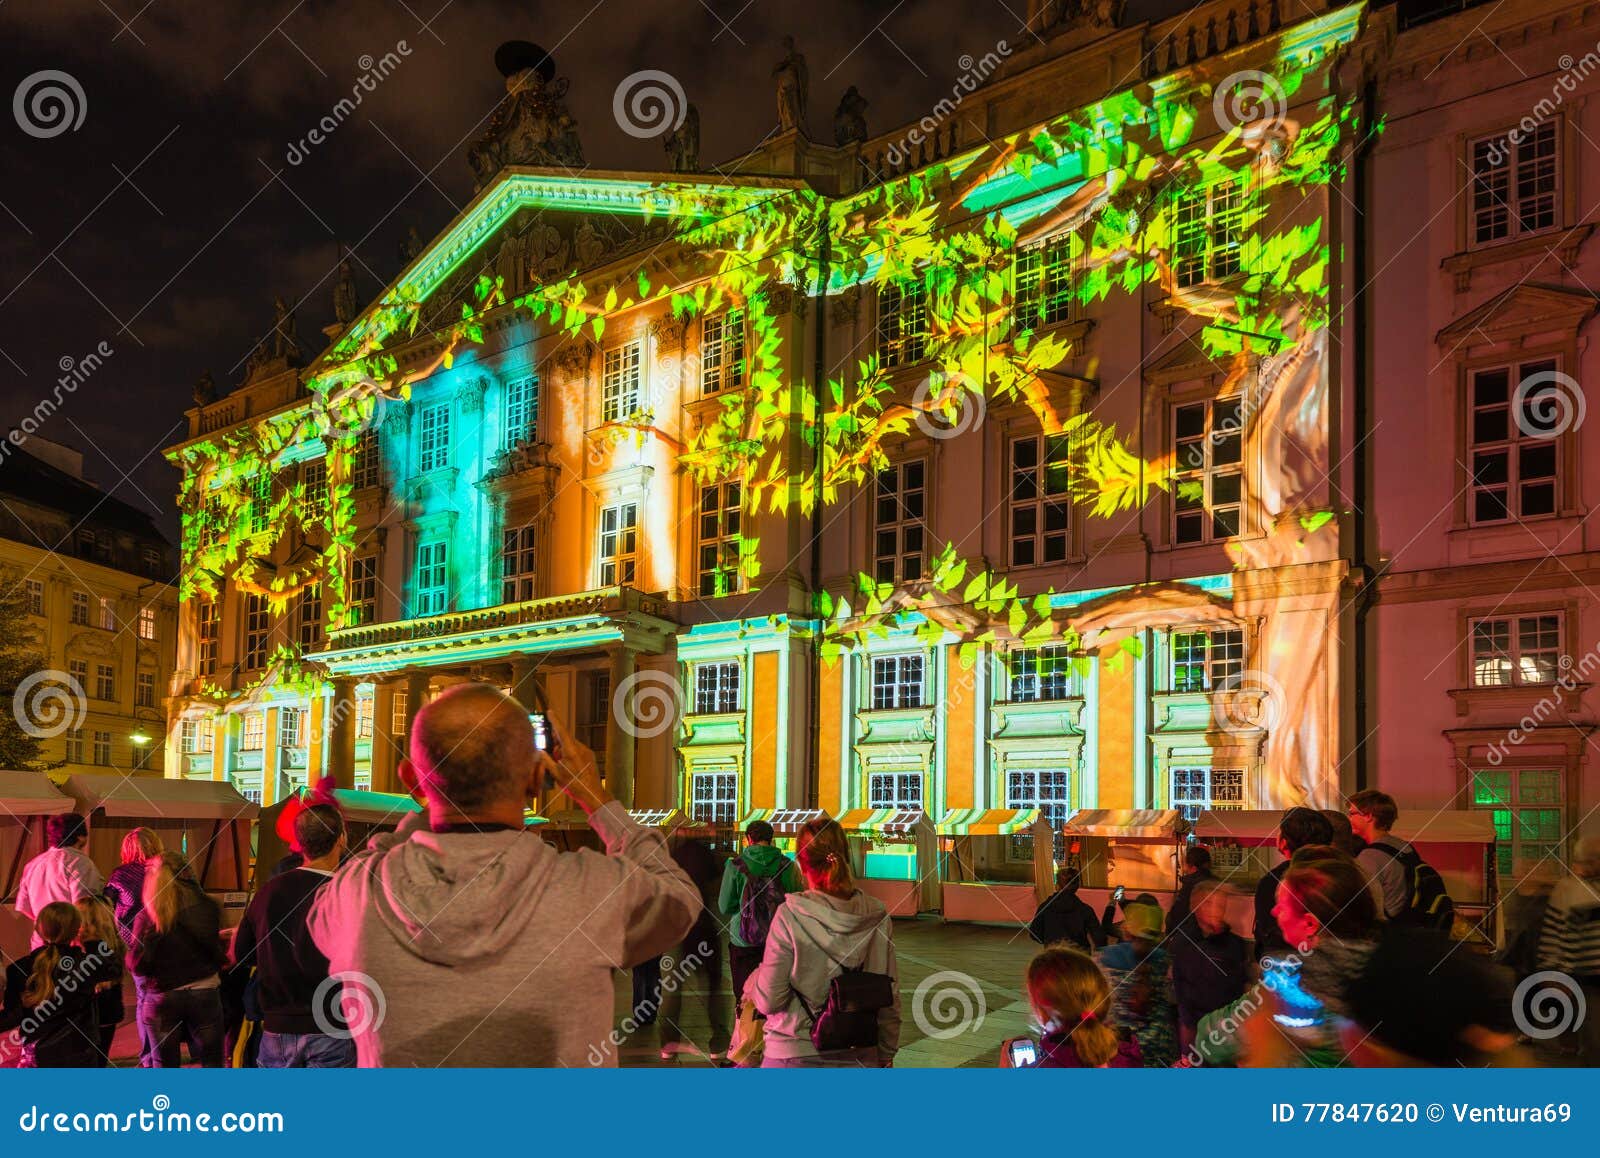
813,934
492,948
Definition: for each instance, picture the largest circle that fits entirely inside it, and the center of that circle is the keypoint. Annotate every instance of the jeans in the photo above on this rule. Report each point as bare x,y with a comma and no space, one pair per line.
306,1051
146,1054
182,1015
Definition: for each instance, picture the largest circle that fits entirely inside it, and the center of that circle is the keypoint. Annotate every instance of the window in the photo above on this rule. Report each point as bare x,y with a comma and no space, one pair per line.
1529,820
619,391
102,748
151,557
1203,661
722,352
1042,289
1515,650
902,323
1047,789
1206,233
249,789
78,669
522,411
75,746
894,790
1514,186
897,681
147,623
398,712
260,490
144,689
716,687
898,527
35,597
1197,790
86,542
314,478
364,718
433,578
1513,454
142,755
311,618
619,544
106,615
291,728
1040,673
433,437
364,462
363,607
254,735
519,565
257,627
80,608
195,736
594,712
1041,508
714,797
105,682
208,618
718,555
1209,473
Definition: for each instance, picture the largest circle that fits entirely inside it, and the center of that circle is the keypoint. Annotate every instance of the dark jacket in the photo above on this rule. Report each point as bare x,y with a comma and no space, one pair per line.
190,951
273,939
697,860
125,891
1269,938
1183,903
64,1030
1208,972
1056,1052
1067,917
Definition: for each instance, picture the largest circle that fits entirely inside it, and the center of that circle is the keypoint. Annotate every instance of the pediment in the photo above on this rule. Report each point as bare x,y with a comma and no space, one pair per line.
1188,362
1520,311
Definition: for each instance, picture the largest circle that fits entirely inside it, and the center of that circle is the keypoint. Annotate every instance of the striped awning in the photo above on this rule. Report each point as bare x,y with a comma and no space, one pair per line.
885,821
1127,823
986,821
784,821
668,818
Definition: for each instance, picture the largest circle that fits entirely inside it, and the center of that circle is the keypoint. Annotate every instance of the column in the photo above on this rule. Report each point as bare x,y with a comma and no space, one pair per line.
342,732
619,731
524,684
416,696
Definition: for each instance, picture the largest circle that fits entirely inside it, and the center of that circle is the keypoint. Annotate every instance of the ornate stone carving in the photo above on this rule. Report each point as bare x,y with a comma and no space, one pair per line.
668,331
574,356
531,125
846,306
781,300
471,395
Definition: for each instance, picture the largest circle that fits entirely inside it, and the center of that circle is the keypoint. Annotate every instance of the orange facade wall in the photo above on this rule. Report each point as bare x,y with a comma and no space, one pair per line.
764,731
1118,687
831,739
960,721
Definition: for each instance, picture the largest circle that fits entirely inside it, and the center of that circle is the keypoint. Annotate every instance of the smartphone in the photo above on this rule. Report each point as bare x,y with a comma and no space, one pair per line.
1023,1052
541,730
1118,893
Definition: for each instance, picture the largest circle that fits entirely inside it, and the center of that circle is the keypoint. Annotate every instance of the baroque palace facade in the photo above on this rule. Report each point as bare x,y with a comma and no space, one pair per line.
1010,464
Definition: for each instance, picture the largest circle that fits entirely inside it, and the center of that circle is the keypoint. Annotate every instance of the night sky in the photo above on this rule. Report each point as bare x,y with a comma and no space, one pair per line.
167,221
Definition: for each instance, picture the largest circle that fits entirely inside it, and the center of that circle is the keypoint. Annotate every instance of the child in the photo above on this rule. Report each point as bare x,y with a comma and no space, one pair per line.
98,936
50,995
1072,999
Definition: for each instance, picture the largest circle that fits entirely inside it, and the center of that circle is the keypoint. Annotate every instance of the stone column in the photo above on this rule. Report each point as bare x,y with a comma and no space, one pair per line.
342,732
524,683
416,696
619,728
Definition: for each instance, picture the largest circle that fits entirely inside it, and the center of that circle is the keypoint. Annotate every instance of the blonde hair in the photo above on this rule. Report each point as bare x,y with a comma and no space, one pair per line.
57,925
824,857
140,844
98,926
1067,989
162,897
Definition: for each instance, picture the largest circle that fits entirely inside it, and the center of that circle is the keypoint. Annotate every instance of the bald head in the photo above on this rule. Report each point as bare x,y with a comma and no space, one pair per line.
473,747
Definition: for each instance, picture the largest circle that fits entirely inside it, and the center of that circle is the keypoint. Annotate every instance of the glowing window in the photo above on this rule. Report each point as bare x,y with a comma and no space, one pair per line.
1513,443
522,411
722,363
433,437
717,546
1515,650
1515,186
311,618
257,628
900,509
399,711
364,718
433,578
714,797
1204,661
208,618
196,736
1042,283
1528,806
314,479
1040,673
253,737
619,544
107,614
620,387
716,687
364,461
902,323
1041,509
363,608
1207,233
897,681
519,564
260,492
1197,790
1047,789
291,728
1208,479
894,790
147,623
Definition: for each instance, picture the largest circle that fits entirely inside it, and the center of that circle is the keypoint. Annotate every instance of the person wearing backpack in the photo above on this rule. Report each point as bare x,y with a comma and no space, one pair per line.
828,984
1408,889
754,884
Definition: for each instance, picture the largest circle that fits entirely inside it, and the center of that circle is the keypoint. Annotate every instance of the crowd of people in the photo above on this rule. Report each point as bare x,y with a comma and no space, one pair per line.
461,938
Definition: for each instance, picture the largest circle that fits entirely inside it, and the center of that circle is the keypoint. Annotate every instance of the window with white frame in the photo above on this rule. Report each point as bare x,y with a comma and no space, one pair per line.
894,790
1203,661
722,364
105,681
622,382
433,578
1516,650
897,681
899,526
1042,283
902,323
80,608
102,748
107,618
717,539
208,620
399,711
364,718
144,689
35,597
1196,790
259,489
619,544
714,797
1516,185
364,461
249,789
257,631
433,437
195,735
716,687
75,746
1039,674
1529,810
147,623
291,728
1041,506
519,564
522,411
363,606
253,732
1208,475
310,616
1047,789
314,480
1512,448
1207,233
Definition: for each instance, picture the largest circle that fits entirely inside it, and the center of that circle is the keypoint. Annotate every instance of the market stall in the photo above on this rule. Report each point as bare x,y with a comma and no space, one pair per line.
996,864
893,853
786,824
366,814
1140,849
27,801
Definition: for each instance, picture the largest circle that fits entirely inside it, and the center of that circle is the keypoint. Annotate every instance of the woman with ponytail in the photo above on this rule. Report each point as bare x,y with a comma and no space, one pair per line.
1072,1000
177,950
50,1006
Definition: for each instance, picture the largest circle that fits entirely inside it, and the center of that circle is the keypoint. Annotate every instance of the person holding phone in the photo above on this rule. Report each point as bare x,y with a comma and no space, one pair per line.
1071,998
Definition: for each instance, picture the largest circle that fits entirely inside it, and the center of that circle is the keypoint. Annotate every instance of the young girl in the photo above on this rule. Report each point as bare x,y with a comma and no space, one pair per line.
50,995
177,950
98,937
1072,999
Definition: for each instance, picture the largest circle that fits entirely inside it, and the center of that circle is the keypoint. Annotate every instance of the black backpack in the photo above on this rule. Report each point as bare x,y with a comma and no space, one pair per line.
1430,906
848,1019
758,903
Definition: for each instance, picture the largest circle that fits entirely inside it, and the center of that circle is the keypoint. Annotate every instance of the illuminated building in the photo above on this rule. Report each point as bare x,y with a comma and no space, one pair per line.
1069,528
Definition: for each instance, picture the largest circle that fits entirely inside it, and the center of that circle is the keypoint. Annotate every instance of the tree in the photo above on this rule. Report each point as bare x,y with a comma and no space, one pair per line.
21,666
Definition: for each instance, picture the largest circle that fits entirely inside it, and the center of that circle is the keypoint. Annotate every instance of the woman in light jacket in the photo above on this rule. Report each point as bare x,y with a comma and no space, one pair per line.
815,936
